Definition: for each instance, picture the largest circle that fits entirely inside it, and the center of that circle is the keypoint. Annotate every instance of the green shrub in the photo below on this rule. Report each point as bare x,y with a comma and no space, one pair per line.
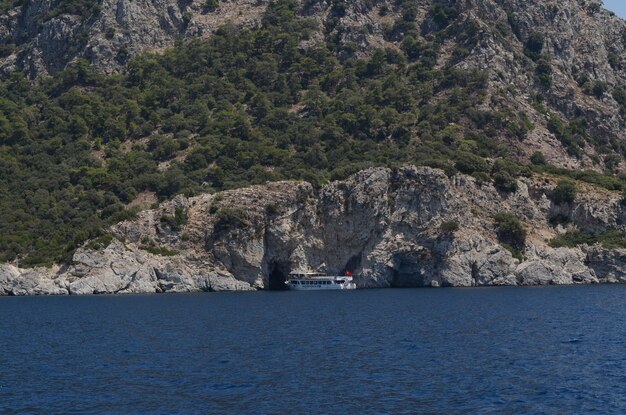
149,245
159,250
481,178
230,218
177,221
599,89
594,7
449,227
510,167
559,219
99,243
611,239
443,15
469,163
510,230
564,193
538,159
504,182
619,95
534,45
587,176
515,252
544,72
210,5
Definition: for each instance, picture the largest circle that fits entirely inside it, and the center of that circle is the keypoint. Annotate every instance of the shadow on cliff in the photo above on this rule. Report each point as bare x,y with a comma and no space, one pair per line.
278,272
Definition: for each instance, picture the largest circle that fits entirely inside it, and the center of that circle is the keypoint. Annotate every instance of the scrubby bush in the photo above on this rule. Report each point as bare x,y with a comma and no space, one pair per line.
443,15
538,159
559,219
149,245
534,45
100,242
481,178
230,218
510,230
469,163
210,5
564,193
599,89
611,239
544,72
449,227
504,182
177,221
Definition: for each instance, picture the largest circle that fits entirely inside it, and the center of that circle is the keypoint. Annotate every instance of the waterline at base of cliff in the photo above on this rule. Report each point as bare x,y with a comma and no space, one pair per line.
390,227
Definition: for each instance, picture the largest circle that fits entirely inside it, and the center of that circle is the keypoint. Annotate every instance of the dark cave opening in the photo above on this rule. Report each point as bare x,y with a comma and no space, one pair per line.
407,275
353,264
278,273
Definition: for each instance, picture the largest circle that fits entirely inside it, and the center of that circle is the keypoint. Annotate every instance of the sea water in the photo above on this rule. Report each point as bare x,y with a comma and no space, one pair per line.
539,350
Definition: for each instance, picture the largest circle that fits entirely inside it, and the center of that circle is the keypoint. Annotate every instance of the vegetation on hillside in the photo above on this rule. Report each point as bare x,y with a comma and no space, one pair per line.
83,8
611,239
511,233
243,107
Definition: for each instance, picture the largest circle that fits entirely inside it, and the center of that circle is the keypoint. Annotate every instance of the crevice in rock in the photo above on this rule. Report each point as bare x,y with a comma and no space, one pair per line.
130,281
475,273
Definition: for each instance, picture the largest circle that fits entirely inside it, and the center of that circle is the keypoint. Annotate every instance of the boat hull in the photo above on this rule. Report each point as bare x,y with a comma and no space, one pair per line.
321,287
313,281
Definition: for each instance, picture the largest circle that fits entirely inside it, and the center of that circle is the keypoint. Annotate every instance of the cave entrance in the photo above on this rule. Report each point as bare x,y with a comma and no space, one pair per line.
407,275
278,273
353,264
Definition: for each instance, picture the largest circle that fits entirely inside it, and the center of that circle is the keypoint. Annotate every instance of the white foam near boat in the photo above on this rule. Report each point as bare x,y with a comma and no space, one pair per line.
311,280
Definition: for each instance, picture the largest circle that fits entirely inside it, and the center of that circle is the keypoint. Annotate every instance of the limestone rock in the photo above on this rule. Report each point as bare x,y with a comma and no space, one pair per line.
383,225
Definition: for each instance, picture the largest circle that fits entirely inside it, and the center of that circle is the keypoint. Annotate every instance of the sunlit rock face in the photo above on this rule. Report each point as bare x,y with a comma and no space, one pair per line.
386,226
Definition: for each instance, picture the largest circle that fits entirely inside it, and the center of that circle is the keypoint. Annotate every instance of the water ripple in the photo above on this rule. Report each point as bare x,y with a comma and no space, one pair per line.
549,350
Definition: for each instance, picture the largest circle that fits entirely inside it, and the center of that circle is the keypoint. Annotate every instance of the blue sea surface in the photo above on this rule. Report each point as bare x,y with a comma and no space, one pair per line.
539,350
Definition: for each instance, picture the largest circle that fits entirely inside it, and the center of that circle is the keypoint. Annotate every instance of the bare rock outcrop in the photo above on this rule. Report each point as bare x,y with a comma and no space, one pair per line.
384,225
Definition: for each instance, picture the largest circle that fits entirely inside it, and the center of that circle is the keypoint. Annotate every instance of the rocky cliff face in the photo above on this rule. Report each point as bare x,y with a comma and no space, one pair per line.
384,225
109,33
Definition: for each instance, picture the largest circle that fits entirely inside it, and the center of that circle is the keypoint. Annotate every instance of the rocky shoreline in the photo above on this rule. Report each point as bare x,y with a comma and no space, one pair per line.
384,225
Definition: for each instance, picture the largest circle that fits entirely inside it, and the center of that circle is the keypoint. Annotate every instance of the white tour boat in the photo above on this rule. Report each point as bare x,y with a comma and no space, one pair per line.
311,280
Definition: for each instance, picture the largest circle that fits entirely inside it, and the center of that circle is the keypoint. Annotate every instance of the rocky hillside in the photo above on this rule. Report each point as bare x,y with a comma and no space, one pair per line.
412,227
108,108
552,60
